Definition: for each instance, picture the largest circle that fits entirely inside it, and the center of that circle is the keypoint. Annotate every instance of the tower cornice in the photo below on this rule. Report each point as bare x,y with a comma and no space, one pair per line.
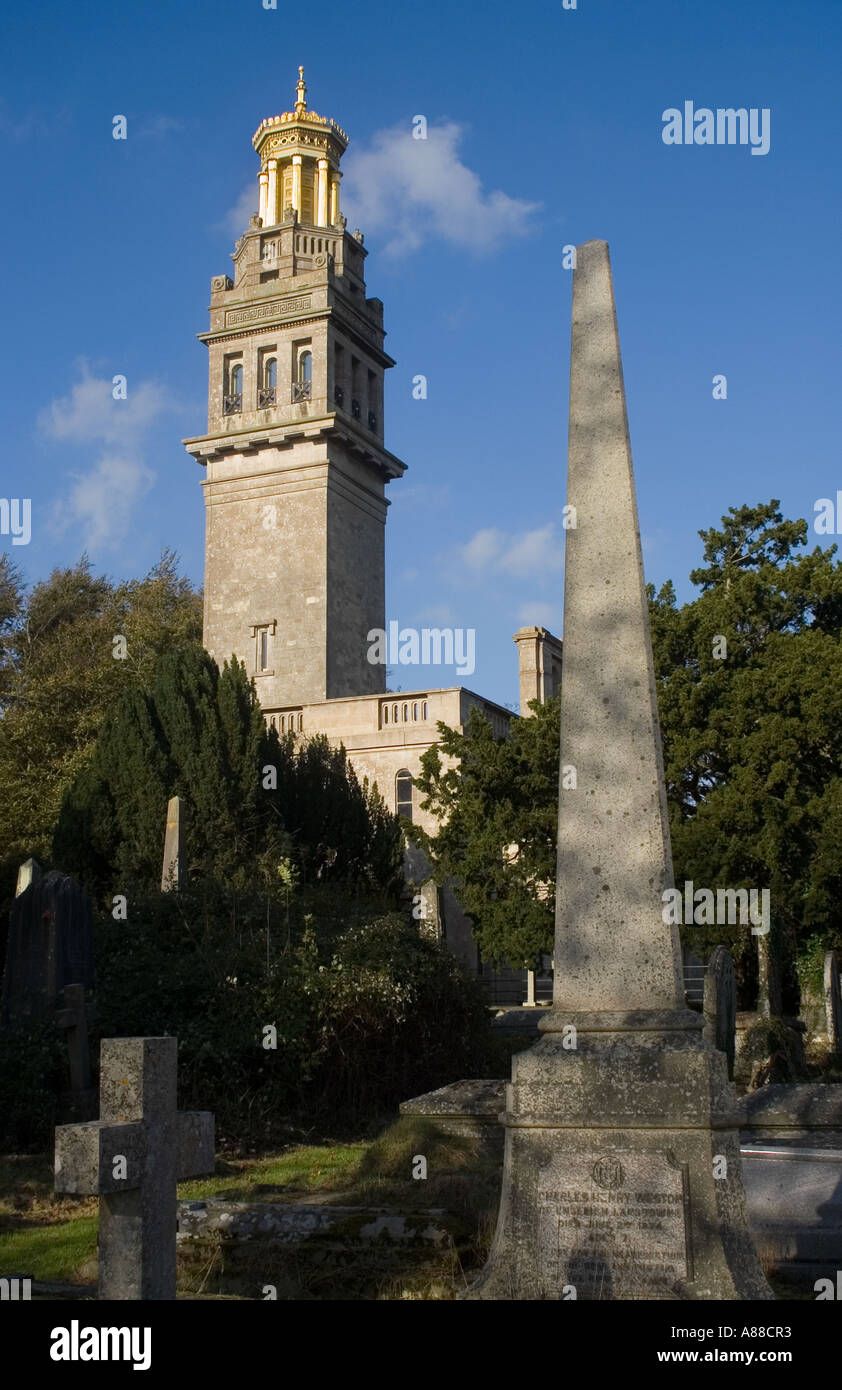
206,448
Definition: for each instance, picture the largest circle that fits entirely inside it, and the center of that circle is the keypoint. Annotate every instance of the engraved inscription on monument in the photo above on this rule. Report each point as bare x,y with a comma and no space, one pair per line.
615,1222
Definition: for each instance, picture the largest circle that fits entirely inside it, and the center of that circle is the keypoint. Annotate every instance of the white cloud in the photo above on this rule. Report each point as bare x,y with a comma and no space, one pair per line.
90,413
236,219
421,497
100,501
540,614
415,191
483,549
162,125
29,124
434,615
524,554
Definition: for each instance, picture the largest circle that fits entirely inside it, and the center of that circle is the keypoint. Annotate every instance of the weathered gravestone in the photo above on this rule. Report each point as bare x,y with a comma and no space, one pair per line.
29,872
79,1103
50,945
615,1118
132,1158
833,1001
768,980
73,1019
173,874
720,1005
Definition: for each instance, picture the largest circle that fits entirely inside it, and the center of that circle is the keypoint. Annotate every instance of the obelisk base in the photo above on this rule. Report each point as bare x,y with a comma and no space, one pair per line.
622,1175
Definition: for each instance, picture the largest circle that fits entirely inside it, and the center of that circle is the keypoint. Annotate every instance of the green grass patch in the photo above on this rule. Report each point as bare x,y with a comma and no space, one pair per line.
52,1237
463,1182
302,1169
51,1253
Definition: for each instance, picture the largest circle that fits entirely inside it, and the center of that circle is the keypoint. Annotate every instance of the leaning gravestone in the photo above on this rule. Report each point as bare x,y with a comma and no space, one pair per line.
833,1001
50,945
132,1158
720,1005
614,1118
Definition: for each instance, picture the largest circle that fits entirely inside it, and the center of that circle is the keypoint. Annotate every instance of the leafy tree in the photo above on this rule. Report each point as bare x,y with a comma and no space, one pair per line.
752,734
59,679
498,801
11,606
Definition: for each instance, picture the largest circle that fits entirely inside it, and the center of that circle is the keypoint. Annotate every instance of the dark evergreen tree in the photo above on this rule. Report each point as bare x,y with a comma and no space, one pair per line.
251,799
60,681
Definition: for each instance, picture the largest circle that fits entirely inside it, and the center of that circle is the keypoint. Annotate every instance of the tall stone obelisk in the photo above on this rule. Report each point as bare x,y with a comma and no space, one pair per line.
622,1175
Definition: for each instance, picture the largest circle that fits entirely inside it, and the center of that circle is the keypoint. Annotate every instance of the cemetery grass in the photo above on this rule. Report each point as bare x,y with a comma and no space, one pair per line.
50,1238
53,1238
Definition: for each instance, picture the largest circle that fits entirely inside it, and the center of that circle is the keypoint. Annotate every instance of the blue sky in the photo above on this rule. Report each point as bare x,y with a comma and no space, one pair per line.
545,129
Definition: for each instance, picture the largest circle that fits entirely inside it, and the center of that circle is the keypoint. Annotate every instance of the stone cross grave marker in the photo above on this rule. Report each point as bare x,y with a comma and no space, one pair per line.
173,870
720,1005
132,1158
833,1001
622,1175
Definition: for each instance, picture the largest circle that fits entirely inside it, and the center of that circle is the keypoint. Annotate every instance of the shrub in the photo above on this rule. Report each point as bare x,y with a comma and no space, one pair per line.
366,1011
33,1069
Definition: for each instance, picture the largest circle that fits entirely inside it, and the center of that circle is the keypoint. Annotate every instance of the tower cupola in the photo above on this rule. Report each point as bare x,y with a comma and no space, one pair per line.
299,165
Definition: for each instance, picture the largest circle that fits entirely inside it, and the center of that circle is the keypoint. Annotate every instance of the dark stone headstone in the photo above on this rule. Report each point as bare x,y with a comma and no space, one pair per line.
720,1005
79,1102
50,946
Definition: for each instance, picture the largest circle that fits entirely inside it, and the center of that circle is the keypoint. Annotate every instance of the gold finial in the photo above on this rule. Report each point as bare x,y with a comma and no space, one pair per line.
301,92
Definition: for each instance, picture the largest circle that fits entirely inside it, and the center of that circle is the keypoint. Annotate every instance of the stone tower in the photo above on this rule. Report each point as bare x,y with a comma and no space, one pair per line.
296,468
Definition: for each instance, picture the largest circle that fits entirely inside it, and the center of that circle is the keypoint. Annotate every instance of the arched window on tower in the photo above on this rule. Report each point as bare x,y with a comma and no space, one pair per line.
302,386
267,393
233,400
403,794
